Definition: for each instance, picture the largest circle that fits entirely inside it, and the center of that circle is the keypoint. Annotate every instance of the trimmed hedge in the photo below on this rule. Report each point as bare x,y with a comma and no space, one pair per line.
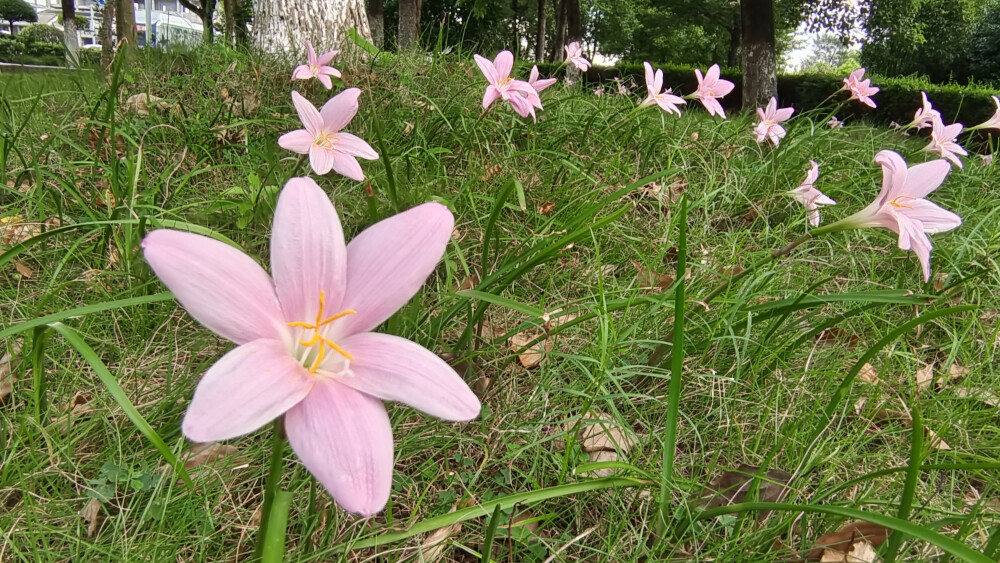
33,53
898,100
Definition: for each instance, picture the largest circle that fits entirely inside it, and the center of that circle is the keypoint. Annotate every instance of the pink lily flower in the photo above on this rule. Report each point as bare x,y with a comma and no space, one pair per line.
574,56
994,121
317,67
304,343
860,90
328,147
711,88
654,83
925,115
900,206
835,123
537,84
809,196
519,94
943,141
769,119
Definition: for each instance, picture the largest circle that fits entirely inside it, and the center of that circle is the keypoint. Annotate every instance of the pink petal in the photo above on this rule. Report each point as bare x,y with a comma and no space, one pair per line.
388,263
307,113
344,438
712,76
329,70
302,72
544,83
650,78
723,87
772,107
348,166
503,64
321,160
932,217
919,180
701,79
355,146
783,114
340,110
534,75
912,237
490,96
813,174
658,80
310,53
218,285
308,253
894,176
486,66
325,58
296,141
249,387
396,369
325,81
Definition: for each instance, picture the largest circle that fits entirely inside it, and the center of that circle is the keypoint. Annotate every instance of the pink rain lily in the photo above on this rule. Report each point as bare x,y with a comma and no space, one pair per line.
654,83
994,121
768,127
537,84
809,196
711,88
925,115
835,123
860,90
328,147
901,207
519,94
574,56
316,67
305,346
943,141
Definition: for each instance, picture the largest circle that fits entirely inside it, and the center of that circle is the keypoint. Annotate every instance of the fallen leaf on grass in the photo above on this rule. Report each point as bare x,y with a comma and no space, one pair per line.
844,540
556,319
860,552
491,171
732,487
78,405
868,374
837,335
203,454
14,231
6,371
990,399
670,193
436,544
141,103
924,377
91,513
546,208
602,433
903,417
529,356
957,371
647,278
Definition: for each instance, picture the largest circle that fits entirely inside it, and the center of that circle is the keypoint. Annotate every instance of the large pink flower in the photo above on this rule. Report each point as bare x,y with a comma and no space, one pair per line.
994,121
943,140
316,67
537,84
807,194
860,90
305,346
328,147
574,56
654,83
711,88
768,126
519,94
901,207
924,117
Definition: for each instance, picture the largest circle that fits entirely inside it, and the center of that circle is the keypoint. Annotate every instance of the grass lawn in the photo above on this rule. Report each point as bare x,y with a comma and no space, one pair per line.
833,372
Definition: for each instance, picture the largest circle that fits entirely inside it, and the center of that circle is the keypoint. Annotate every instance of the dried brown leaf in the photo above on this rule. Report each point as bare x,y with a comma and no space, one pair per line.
602,433
203,454
491,171
987,397
436,544
731,487
6,370
91,514
546,208
23,269
860,552
529,356
140,104
868,374
845,538
957,371
650,279
925,376
79,404
14,231
599,456
555,319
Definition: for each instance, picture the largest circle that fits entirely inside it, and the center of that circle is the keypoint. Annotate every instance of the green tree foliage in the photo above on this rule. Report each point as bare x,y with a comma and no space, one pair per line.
17,11
984,46
40,33
927,37
829,54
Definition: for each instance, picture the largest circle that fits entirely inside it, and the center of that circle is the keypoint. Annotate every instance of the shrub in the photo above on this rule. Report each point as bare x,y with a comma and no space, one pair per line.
42,49
898,100
39,32
10,48
17,11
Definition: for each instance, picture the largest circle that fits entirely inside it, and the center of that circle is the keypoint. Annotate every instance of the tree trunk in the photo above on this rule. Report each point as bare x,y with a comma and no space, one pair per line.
540,33
104,35
282,27
207,15
376,21
760,79
125,22
732,60
515,28
69,32
229,11
560,38
409,23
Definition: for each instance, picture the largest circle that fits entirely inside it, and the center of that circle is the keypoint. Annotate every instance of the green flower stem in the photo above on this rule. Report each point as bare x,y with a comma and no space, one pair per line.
270,487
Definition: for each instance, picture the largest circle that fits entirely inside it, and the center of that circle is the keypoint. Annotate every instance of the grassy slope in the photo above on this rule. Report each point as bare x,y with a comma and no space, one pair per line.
745,392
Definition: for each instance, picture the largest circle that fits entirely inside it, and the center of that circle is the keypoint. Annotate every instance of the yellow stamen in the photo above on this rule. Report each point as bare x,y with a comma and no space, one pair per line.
504,81
895,202
317,337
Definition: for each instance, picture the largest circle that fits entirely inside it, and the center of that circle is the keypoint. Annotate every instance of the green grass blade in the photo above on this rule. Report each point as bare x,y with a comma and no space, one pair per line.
274,543
85,310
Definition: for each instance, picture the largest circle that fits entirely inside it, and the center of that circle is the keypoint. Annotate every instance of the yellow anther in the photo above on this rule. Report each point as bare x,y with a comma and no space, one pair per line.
317,337
895,202
504,81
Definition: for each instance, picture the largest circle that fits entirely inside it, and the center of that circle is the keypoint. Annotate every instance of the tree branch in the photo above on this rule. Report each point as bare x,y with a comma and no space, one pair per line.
191,6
